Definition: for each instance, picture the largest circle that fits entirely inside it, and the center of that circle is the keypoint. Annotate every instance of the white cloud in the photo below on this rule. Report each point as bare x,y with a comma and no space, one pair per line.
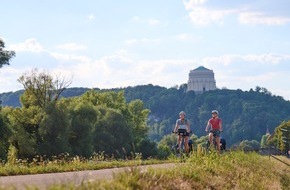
200,15
184,36
259,79
224,60
91,17
189,5
131,41
227,60
70,57
147,41
260,18
120,70
71,47
136,18
274,81
29,45
154,22
151,22
150,40
267,58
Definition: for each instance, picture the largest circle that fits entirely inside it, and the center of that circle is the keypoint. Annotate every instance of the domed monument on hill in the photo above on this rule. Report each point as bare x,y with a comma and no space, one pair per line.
200,80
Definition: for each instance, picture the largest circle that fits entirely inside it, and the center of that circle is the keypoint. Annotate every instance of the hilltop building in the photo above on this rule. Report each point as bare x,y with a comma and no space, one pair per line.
201,79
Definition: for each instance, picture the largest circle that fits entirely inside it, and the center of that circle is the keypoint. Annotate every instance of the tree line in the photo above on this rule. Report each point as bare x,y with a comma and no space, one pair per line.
246,115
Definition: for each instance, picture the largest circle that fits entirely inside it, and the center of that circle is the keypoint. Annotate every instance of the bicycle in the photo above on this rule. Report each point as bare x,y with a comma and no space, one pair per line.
175,147
222,143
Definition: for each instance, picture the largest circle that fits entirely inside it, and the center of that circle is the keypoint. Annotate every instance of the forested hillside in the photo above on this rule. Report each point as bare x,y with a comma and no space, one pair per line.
246,115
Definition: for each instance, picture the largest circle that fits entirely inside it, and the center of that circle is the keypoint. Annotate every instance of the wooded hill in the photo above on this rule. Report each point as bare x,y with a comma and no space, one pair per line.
246,115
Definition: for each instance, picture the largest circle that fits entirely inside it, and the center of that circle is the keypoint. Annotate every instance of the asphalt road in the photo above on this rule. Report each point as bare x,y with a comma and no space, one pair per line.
42,181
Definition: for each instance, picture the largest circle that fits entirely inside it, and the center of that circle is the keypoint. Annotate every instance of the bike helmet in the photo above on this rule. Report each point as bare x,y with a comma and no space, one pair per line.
182,113
215,111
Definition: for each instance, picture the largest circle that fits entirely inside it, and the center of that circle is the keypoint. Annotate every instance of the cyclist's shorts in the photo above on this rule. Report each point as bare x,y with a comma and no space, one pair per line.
182,132
216,132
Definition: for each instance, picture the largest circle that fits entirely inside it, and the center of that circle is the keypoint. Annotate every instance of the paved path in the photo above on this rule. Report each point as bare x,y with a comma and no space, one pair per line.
42,181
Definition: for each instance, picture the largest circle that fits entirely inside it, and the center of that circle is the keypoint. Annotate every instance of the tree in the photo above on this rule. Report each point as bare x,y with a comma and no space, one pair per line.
83,119
148,148
5,55
113,133
165,145
282,136
41,88
265,140
54,130
41,122
130,119
23,122
5,133
138,117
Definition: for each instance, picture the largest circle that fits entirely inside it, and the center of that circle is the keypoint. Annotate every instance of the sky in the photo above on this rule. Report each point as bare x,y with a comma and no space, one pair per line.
114,44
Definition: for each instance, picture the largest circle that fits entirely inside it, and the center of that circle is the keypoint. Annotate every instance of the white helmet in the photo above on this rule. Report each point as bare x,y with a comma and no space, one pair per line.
182,113
215,111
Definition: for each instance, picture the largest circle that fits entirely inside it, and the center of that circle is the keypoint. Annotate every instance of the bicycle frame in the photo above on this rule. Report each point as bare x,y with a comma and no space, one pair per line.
213,142
182,147
214,137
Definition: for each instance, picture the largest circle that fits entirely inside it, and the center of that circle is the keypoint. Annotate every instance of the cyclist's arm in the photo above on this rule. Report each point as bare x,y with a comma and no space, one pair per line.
176,127
221,126
207,126
188,127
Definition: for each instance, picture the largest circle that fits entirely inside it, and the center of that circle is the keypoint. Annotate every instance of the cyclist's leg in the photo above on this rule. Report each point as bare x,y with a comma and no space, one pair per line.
210,138
186,144
218,143
179,142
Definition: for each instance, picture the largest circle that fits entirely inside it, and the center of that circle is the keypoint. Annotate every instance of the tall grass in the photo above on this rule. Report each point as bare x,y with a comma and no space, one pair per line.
233,170
199,170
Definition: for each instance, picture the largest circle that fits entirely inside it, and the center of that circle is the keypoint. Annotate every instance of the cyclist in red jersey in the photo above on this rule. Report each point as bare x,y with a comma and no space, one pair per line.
215,125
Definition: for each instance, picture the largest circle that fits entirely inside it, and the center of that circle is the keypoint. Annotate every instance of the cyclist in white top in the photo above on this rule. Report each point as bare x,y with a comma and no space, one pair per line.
182,129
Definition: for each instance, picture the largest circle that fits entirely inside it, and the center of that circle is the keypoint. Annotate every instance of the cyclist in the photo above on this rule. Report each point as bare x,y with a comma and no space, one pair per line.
182,129
215,125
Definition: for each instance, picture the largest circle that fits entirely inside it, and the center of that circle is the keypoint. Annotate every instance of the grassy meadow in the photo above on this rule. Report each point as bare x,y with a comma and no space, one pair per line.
233,170
230,170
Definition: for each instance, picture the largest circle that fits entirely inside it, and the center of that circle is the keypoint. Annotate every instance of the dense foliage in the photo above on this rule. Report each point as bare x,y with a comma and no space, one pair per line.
46,124
246,115
147,113
5,55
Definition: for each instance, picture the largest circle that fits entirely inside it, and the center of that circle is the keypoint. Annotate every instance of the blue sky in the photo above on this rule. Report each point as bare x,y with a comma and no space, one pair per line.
108,44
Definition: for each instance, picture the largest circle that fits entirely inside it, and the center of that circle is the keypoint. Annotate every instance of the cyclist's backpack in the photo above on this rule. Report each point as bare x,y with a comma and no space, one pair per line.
223,142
